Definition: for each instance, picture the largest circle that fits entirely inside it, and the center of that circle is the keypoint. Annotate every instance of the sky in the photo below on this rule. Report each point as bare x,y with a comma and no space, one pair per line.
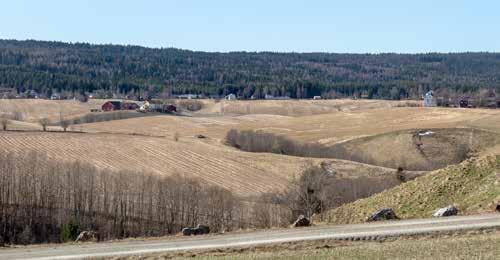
348,26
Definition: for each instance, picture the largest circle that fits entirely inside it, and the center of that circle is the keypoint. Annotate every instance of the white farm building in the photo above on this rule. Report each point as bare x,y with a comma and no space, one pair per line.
231,97
429,100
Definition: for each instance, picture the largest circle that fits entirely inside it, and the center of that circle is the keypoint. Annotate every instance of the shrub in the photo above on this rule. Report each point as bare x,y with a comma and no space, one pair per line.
5,123
400,175
70,231
5,120
44,122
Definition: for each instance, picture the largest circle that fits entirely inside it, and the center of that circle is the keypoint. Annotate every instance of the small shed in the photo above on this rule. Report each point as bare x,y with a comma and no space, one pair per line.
464,102
231,97
467,102
55,96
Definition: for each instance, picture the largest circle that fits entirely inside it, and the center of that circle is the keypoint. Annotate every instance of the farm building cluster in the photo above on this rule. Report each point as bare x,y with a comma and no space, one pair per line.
488,99
146,106
484,98
119,105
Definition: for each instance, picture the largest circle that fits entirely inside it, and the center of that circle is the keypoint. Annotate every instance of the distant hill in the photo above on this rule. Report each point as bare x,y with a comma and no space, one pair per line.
54,67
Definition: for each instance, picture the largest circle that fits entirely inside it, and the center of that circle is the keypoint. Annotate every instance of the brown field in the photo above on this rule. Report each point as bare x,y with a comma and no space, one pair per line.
147,143
244,173
34,109
294,107
326,128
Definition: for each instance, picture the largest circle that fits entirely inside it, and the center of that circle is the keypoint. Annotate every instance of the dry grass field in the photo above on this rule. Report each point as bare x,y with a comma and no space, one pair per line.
31,110
147,143
244,173
326,128
294,107
417,149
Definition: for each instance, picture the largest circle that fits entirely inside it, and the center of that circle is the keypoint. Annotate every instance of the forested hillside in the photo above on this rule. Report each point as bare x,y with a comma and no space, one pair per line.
54,67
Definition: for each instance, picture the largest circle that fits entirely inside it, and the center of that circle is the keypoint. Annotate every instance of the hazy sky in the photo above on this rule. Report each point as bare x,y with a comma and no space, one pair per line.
253,25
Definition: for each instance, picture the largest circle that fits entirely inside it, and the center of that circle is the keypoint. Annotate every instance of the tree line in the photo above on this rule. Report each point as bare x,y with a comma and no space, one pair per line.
258,141
42,200
108,70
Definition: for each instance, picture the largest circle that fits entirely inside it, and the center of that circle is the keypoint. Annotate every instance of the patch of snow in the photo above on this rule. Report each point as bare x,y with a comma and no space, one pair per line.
425,133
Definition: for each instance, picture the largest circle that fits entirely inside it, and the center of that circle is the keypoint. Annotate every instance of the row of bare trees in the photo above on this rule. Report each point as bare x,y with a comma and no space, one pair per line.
7,118
46,201
260,141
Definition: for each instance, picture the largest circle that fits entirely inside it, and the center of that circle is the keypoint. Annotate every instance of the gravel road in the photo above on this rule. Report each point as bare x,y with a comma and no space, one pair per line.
367,231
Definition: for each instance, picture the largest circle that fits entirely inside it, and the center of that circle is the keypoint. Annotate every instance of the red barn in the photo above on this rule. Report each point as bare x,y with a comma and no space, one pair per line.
112,105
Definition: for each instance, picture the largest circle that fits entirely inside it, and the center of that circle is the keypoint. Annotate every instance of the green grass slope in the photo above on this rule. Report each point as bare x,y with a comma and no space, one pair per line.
473,186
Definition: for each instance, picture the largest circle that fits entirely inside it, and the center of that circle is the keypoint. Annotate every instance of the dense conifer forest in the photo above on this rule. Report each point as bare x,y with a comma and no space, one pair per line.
49,67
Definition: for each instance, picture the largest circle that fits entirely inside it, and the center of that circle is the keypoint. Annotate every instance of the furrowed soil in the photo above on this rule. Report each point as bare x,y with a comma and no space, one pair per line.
148,143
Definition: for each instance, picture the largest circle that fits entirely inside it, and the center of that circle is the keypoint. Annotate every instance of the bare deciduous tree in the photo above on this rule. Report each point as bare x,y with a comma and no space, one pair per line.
5,123
315,191
63,122
44,122
45,195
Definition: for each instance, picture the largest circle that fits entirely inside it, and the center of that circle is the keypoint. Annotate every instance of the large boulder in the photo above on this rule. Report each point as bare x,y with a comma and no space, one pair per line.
187,231
383,214
445,212
198,230
202,230
87,236
301,221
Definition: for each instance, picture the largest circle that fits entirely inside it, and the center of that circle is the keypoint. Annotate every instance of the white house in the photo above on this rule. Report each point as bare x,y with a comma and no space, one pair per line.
429,100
